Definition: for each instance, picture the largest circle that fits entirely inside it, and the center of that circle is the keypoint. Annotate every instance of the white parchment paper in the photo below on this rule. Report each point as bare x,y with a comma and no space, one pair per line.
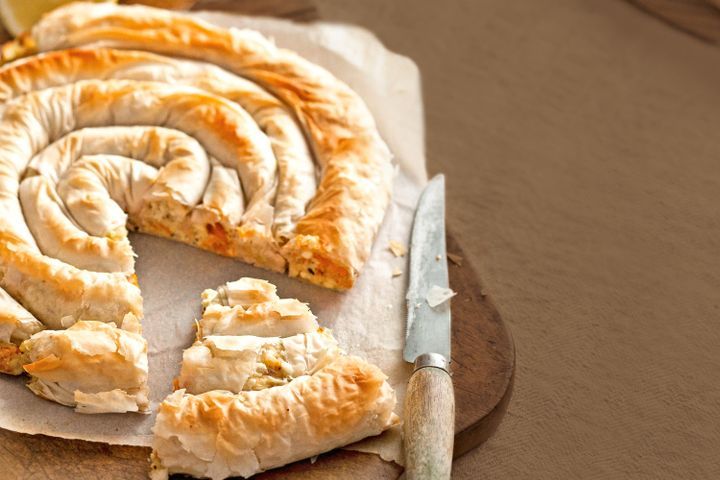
368,321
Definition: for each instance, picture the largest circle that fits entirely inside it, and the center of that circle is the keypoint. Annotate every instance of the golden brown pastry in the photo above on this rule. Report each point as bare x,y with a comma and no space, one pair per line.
175,189
16,325
241,148
250,306
256,401
332,240
220,434
56,293
58,236
238,363
279,318
245,291
92,366
296,170
224,129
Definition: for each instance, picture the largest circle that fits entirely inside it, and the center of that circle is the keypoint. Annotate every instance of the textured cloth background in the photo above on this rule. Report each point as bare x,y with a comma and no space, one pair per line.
580,140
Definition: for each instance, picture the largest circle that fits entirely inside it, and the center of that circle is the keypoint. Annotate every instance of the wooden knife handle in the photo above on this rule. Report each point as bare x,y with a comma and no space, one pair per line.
429,424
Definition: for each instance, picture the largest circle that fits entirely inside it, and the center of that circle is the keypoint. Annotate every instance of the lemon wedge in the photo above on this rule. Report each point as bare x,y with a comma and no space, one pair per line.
19,15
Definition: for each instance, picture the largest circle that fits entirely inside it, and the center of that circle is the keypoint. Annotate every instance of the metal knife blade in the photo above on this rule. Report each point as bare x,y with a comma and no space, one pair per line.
428,328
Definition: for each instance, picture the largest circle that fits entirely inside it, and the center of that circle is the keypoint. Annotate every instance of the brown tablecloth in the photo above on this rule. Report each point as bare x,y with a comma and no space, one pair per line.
580,140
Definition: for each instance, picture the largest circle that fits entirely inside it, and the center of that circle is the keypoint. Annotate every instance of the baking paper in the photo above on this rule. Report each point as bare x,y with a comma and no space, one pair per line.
368,321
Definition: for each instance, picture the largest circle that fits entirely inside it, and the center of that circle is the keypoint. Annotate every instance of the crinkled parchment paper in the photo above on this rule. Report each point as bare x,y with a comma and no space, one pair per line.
368,321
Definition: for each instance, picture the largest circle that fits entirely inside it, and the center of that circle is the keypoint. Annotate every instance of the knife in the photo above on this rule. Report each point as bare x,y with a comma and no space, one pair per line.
429,425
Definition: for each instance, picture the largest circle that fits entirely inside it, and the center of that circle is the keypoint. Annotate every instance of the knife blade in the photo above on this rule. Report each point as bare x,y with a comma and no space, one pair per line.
428,328
429,424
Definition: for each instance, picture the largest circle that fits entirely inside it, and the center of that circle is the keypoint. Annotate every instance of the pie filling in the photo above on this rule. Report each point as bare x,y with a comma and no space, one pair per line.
272,368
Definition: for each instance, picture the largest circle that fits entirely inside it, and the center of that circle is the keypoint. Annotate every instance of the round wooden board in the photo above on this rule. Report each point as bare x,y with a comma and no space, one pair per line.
483,366
483,358
699,18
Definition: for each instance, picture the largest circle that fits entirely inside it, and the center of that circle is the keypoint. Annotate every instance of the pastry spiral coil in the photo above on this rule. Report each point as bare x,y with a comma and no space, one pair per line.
133,117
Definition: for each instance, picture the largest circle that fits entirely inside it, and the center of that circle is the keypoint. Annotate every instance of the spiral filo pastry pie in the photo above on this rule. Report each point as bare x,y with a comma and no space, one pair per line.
178,185
332,240
238,147
296,170
26,126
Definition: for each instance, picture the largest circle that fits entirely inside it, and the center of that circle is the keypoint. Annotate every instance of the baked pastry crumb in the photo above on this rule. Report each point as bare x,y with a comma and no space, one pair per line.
397,248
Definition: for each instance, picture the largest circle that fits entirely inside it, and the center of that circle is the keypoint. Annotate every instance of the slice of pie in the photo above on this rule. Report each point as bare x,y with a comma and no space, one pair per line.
248,403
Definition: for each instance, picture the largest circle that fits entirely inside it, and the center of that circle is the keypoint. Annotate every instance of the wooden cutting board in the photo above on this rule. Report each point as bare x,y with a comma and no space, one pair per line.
483,367
699,18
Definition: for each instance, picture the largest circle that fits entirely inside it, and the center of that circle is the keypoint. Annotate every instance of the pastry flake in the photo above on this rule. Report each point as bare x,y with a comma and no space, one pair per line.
397,248
438,295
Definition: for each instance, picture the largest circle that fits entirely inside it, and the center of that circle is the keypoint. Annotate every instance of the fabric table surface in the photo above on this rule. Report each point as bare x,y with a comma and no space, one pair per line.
579,140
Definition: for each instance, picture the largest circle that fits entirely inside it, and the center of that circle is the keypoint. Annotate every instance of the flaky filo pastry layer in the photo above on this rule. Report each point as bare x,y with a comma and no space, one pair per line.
56,293
333,240
180,184
250,306
244,292
220,434
277,318
16,325
92,366
30,122
238,363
